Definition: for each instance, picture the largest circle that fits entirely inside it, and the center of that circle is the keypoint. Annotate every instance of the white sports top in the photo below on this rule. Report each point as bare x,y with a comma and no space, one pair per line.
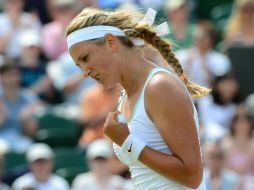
143,177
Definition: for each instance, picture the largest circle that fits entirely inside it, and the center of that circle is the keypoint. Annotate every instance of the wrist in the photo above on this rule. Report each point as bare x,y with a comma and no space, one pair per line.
132,147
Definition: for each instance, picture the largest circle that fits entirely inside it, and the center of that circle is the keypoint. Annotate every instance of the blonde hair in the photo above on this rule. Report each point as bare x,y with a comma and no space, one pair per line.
129,23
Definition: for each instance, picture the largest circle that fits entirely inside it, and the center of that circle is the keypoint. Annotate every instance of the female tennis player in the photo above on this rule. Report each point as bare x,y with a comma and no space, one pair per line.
159,140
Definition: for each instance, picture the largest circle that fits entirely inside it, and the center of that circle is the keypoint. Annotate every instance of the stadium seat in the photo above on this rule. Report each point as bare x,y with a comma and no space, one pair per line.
69,173
57,128
204,7
57,136
242,60
219,16
14,162
49,118
69,162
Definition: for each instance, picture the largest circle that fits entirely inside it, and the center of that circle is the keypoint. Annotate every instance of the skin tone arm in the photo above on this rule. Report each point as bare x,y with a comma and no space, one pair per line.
178,131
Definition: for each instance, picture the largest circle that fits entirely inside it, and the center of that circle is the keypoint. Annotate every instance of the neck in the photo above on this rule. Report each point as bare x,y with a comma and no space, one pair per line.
101,176
42,178
132,73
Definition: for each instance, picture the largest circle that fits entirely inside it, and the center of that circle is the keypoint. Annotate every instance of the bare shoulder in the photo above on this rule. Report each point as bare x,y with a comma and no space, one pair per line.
164,89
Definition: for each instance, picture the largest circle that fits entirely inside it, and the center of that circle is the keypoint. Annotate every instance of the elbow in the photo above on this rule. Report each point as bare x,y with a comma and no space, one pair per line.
195,183
189,176
194,177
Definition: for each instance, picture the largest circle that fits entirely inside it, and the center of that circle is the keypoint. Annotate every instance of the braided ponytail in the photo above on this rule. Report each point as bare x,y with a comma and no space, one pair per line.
164,47
129,23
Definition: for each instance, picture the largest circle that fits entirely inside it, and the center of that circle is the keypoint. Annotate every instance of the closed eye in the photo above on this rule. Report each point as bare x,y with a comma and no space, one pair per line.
83,58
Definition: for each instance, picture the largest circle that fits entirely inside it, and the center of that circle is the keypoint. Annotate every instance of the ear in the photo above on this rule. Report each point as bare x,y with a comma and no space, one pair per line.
111,42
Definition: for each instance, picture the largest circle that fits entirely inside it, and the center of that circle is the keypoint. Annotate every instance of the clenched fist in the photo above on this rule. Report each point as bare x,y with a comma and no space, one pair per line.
115,130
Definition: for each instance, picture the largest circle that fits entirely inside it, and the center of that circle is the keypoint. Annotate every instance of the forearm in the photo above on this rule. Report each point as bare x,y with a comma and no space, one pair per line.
172,167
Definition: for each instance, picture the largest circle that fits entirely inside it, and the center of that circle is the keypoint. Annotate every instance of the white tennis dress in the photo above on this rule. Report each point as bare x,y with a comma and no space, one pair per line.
141,126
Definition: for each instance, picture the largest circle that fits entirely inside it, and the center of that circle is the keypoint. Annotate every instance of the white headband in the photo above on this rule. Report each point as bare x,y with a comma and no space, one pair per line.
92,32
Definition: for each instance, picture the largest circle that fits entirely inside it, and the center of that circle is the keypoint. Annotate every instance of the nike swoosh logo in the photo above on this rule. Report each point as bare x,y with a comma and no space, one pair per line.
129,150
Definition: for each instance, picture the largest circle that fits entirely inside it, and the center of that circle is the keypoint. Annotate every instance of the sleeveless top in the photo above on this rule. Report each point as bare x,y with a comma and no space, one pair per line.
142,176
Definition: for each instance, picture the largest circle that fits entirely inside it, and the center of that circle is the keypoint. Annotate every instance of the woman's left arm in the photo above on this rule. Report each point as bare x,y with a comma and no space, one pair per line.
169,107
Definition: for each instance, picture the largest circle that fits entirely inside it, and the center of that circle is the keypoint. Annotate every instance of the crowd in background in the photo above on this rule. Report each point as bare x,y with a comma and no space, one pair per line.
39,77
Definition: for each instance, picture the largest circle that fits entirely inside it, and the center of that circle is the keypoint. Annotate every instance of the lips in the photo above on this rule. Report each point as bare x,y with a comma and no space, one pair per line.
97,77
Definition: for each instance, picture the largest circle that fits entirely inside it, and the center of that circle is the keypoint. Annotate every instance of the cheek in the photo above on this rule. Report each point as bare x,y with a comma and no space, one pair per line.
104,65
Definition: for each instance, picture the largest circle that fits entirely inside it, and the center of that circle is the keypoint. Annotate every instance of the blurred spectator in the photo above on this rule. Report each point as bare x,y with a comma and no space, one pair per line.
181,28
85,3
17,107
32,67
246,183
40,158
217,177
53,34
201,62
239,29
93,130
96,102
219,108
239,145
99,153
39,8
67,78
12,22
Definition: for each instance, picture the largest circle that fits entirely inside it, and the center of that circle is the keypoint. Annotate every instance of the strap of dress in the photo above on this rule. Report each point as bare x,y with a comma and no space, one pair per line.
121,98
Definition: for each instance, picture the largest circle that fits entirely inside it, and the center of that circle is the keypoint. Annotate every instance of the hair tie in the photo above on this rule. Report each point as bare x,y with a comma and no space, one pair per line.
149,18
